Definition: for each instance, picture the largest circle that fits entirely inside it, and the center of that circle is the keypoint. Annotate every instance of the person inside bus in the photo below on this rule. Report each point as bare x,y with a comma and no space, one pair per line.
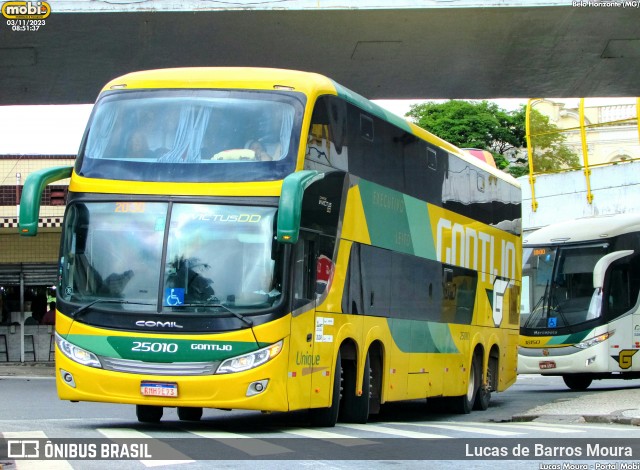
197,288
138,146
258,148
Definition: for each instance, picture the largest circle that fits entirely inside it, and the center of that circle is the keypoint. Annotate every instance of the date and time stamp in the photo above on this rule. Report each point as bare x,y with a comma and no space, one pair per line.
21,16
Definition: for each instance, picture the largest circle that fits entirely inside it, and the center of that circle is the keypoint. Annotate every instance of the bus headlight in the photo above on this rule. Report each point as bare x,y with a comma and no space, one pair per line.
77,354
595,340
250,360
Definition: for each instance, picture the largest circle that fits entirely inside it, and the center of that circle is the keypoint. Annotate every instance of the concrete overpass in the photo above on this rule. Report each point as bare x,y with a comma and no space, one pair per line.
381,49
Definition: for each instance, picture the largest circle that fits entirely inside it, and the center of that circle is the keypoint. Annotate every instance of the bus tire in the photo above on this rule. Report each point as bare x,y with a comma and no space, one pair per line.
483,397
463,404
148,413
577,382
327,417
189,413
354,408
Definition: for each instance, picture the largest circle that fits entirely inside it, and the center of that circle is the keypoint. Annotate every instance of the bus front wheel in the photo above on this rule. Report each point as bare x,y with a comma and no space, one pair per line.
354,408
148,413
327,417
577,382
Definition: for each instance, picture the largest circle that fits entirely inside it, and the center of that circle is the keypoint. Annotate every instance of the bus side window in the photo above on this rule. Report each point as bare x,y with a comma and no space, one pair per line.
619,297
303,272
352,295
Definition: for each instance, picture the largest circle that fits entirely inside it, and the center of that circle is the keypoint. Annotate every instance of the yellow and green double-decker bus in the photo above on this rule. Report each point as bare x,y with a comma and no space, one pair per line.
262,239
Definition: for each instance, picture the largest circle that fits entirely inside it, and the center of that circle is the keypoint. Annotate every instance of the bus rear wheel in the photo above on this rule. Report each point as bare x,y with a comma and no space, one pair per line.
189,413
148,413
483,397
464,404
577,382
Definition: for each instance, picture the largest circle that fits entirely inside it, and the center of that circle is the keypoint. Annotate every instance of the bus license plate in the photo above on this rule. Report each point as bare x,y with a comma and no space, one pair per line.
547,365
158,389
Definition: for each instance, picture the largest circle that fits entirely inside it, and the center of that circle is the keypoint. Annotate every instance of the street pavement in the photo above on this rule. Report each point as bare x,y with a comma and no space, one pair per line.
609,406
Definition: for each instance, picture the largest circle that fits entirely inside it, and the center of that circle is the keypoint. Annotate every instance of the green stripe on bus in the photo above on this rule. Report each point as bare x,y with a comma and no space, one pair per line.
420,227
414,336
372,108
162,349
573,338
396,221
386,217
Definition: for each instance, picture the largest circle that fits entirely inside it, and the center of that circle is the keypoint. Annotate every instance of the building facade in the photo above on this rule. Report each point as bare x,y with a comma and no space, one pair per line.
28,265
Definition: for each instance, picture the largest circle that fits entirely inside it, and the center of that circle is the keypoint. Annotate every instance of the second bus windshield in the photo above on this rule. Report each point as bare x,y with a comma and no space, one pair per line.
559,281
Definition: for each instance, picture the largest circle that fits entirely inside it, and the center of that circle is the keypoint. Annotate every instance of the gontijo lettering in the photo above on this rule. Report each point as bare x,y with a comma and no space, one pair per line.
474,249
26,10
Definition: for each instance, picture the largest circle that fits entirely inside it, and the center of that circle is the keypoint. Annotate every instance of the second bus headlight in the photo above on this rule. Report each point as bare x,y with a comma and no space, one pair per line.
595,340
76,353
250,360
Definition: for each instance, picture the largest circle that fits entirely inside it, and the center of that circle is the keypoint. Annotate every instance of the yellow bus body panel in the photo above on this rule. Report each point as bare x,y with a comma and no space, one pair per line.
215,391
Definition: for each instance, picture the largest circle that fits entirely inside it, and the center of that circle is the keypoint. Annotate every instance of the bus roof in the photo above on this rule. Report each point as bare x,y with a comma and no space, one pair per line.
584,229
262,78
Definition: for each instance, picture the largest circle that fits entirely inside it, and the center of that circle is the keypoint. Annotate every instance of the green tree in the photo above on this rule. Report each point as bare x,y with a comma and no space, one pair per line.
548,146
484,125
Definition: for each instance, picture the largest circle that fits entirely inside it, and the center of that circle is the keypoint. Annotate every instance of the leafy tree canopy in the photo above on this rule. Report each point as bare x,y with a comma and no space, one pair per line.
484,125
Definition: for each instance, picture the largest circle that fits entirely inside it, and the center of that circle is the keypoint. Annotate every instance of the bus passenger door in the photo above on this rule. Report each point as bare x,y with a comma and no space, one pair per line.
326,324
301,356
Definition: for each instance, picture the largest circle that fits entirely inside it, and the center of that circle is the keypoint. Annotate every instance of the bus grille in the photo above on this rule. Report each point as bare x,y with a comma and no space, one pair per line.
158,368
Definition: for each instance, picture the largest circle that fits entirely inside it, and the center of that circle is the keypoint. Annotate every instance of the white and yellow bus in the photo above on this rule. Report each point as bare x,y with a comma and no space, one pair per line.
580,316
264,239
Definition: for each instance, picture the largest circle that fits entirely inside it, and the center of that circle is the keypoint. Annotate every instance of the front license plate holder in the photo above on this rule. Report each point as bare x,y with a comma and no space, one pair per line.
159,389
546,365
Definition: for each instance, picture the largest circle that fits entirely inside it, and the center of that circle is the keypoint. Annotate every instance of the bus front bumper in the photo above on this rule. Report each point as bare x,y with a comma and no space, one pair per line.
559,361
263,388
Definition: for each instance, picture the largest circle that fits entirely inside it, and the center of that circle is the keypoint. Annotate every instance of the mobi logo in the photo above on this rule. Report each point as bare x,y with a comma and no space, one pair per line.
26,10
474,249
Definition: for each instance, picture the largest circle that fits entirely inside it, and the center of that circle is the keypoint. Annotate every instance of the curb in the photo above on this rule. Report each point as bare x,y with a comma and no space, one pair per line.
34,369
617,417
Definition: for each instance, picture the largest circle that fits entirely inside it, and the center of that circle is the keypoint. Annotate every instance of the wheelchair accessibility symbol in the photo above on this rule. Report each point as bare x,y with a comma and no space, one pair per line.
552,322
173,296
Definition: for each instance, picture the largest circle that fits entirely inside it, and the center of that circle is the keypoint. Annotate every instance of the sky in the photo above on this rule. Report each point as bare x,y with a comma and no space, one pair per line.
58,129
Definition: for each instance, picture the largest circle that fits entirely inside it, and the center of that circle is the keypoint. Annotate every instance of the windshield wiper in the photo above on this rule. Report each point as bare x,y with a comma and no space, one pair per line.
536,312
239,316
75,314
546,309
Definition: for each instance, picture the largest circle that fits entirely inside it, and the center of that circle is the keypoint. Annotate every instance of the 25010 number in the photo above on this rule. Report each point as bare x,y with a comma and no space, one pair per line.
144,346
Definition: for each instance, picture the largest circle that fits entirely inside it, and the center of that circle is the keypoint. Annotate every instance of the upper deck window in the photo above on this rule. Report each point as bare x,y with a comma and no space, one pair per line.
192,136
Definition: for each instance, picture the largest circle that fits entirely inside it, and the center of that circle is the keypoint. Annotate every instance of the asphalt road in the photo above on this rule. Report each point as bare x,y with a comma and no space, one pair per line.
407,433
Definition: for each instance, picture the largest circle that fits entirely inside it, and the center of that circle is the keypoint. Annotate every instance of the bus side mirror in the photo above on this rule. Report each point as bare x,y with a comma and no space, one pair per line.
603,264
32,193
290,206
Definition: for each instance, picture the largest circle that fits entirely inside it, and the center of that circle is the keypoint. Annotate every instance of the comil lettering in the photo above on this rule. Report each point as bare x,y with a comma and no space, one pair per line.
474,249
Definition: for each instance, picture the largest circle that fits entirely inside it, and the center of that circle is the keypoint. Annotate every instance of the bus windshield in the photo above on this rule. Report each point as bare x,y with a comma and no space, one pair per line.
558,286
192,135
214,256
